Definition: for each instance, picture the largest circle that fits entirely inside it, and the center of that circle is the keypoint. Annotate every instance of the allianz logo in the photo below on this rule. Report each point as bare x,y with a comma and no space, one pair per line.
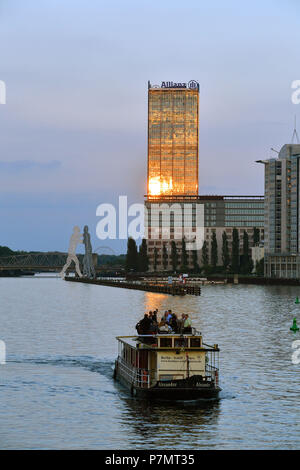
192,84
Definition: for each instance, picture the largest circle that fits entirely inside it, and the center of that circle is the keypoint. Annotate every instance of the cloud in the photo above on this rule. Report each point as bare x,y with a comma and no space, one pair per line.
21,166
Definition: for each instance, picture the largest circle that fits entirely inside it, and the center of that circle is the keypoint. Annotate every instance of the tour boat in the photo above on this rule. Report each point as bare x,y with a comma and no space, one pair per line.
168,366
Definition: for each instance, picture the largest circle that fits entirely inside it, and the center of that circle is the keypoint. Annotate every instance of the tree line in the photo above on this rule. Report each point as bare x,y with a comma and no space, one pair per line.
137,260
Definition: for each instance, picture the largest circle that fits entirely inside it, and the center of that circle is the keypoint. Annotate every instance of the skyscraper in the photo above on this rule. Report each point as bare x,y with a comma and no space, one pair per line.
175,215
173,120
282,213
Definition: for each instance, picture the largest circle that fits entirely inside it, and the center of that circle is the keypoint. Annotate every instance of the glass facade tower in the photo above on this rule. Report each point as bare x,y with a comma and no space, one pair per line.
173,119
282,213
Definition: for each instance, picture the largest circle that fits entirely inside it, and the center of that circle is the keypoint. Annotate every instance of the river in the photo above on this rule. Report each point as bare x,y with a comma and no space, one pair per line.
57,390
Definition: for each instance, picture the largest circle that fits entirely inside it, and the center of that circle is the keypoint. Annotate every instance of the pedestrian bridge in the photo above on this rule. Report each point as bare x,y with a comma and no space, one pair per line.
37,262
47,262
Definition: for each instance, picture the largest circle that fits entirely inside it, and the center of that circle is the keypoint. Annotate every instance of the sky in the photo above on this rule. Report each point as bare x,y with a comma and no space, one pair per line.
73,131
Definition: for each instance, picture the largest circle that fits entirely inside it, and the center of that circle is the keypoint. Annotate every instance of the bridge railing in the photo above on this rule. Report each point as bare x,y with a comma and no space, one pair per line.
33,260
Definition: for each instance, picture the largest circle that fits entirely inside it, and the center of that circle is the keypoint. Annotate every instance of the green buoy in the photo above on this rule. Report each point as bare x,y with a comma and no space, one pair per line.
294,327
297,300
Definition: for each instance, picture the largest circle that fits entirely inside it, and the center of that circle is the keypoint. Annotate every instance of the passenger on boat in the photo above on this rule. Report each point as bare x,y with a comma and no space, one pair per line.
154,316
187,325
174,323
164,317
163,327
180,322
154,324
169,317
143,327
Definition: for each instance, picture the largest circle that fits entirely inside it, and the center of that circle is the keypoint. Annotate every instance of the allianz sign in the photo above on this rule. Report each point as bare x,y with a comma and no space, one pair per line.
192,84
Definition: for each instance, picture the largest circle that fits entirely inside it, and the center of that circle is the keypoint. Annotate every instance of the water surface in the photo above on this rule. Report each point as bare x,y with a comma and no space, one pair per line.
57,391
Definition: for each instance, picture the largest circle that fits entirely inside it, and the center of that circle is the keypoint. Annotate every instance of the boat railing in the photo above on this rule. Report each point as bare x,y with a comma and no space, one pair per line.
213,373
136,376
194,332
145,378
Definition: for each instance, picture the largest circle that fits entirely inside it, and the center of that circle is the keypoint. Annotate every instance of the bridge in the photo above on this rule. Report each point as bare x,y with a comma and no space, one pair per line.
44,262
38,262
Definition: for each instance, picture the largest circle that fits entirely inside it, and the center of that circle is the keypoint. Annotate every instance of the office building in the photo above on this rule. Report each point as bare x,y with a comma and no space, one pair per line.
215,214
282,230
173,208
173,122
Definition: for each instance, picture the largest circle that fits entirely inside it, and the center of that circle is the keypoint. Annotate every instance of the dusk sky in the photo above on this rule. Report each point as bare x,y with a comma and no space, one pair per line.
73,131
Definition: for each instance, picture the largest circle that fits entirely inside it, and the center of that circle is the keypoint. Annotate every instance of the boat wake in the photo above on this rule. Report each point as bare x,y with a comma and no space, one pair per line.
93,364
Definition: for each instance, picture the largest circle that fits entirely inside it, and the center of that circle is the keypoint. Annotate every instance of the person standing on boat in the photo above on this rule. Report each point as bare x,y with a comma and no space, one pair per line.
154,326
180,322
164,317
145,325
169,317
187,324
174,323
155,312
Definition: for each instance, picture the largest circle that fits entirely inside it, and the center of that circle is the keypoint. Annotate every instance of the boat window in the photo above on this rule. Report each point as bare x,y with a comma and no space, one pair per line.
180,342
165,342
195,342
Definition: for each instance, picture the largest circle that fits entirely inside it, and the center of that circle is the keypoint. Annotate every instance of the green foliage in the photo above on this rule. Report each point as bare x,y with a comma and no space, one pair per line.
235,257
214,250
196,267
174,256
245,261
155,259
225,251
256,236
184,256
131,256
143,257
5,251
165,257
204,256
259,267
111,260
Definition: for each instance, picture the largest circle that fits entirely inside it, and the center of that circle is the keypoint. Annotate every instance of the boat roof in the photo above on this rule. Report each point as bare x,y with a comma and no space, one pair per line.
140,342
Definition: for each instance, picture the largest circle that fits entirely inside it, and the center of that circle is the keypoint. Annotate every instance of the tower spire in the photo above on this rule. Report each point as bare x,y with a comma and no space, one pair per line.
295,133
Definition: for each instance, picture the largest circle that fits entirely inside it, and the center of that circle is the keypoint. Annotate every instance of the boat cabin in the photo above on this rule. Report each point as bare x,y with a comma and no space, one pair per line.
149,360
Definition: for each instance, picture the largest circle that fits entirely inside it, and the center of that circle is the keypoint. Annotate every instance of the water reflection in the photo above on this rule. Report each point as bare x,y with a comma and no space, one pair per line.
166,424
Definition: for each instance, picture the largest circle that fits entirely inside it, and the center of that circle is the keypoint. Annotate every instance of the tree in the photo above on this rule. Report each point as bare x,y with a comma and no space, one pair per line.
205,254
235,255
155,259
256,236
165,257
143,257
5,251
196,267
259,268
245,264
132,262
174,256
214,250
184,256
225,251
